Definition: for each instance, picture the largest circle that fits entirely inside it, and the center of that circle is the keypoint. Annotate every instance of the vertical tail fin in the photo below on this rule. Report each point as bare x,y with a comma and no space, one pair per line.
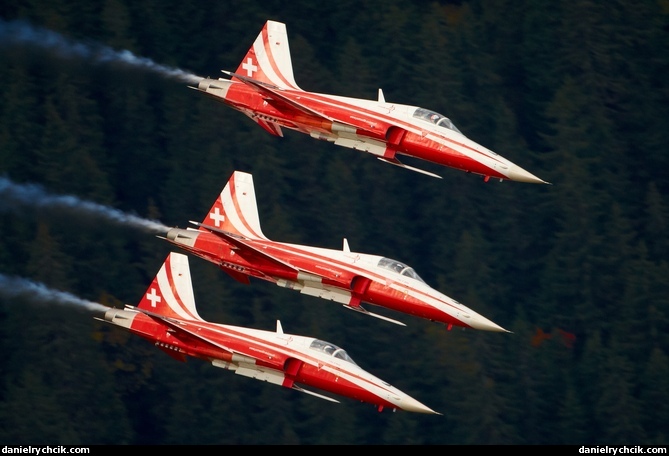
171,292
236,210
268,60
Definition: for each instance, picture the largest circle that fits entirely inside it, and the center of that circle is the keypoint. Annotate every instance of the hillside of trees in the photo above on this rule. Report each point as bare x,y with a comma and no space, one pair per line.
576,92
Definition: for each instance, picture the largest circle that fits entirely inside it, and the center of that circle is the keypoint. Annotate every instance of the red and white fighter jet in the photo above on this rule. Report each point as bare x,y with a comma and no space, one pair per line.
230,237
167,316
263,88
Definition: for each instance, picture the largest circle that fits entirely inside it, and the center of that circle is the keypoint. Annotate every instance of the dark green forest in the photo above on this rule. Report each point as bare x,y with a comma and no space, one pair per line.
576,92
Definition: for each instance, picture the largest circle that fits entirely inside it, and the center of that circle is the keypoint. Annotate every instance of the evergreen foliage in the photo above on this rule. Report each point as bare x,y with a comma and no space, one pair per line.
575,92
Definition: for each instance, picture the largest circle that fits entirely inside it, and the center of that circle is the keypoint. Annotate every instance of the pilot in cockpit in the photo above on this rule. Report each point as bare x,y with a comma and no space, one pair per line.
435,118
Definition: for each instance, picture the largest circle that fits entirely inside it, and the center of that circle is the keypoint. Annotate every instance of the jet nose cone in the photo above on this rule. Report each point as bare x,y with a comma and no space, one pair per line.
410,404
518,174
482,323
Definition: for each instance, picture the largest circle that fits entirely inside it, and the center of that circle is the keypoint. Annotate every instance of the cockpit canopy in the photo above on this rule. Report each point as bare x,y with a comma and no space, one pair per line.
332,350
399,267
435,118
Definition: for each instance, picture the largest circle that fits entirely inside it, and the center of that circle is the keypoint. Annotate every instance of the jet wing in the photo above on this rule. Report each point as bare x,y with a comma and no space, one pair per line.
243,247
239,277
274,93
181,326
246,249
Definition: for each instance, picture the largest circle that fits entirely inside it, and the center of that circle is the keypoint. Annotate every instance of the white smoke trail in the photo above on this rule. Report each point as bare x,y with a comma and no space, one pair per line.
20,32
16,287
14,196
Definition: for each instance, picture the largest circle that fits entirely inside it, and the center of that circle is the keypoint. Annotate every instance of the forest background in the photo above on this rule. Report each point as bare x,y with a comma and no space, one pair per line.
576,92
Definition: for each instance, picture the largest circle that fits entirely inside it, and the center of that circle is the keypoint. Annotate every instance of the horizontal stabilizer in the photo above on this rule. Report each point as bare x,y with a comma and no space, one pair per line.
396,162
302,390
366,312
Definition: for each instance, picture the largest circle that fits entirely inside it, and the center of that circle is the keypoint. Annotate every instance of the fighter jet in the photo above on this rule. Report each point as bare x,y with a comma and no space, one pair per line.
230,237
263,88
167,317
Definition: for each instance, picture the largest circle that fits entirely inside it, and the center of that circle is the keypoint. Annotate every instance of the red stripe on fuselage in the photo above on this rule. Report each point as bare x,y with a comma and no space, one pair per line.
300,257
239,340
294,251
321,99
332,107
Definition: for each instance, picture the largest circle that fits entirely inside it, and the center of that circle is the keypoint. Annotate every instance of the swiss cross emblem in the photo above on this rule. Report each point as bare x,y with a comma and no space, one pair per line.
217,217
153,297
249,67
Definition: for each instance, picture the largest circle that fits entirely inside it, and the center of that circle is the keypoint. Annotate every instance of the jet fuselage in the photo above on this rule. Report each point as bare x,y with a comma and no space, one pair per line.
377,127
283,359
349,278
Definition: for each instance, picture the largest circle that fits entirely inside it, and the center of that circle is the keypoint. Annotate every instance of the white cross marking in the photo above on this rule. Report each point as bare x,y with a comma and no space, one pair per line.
249,67
153,297
217,217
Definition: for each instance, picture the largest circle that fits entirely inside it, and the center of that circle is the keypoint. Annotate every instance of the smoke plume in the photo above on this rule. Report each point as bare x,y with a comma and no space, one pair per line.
15,196
22,33
16,287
